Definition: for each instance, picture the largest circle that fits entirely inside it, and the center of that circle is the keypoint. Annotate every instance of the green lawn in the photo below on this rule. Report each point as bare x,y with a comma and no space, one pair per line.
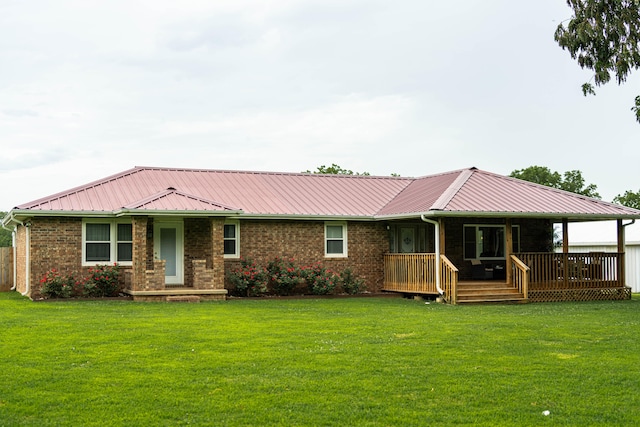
360,361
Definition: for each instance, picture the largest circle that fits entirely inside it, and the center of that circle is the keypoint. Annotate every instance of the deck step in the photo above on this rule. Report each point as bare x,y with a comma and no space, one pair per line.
488,292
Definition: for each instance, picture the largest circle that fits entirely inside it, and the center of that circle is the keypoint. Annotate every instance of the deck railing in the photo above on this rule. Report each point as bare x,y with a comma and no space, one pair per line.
551,271
416,273
449,280
413,273
520,276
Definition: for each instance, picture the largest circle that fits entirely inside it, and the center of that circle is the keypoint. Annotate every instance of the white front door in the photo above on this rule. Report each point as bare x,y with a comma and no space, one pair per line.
168,245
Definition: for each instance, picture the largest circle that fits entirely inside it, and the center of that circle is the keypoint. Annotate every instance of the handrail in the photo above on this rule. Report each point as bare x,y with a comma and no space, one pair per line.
411,273
449,280
574,270
521,276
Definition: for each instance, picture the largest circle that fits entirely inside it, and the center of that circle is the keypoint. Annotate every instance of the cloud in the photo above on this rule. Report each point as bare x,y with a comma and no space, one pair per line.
20,113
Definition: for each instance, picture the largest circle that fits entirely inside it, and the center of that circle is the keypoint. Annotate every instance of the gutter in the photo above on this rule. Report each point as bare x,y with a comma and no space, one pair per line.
437,241
15,260
541,215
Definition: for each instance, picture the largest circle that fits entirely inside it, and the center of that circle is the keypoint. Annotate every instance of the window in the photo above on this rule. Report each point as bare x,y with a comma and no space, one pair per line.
335,237
98,242
232,239
124,249
488,241
107,242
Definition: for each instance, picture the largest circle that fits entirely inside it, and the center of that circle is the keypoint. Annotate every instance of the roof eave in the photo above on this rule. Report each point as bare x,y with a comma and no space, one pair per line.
314,217
22,214
174,213
546,215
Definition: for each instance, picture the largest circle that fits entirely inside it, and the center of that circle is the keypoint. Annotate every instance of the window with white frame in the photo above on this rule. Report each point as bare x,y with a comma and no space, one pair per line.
106,241
335,239
487,241
232,239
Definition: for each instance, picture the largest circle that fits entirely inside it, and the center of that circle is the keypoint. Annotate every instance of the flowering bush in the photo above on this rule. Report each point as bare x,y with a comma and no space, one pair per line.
350,283
249,279
320,280
284,276
55,285
102,281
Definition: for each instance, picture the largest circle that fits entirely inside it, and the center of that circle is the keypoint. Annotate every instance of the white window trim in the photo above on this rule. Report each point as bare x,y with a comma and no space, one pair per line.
237,238
113,241
345,246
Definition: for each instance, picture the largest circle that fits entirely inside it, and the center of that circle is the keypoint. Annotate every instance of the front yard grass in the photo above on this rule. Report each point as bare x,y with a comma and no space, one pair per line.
360,361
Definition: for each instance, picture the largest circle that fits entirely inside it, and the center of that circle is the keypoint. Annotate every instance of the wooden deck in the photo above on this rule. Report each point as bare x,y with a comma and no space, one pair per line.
534,277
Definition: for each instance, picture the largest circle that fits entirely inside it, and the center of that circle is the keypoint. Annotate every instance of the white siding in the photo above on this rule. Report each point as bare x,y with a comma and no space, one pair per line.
632,258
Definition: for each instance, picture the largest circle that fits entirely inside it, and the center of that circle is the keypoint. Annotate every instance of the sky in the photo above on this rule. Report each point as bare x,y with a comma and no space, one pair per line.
414,87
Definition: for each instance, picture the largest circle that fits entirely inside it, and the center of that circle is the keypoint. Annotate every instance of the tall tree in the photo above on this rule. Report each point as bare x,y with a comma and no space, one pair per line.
569,181
335,170
629,198
5,235
603,36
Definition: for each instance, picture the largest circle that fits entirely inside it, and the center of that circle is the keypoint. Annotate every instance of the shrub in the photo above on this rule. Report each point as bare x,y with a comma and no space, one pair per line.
320,281
102,281
55,285
350,283
249,279
284,275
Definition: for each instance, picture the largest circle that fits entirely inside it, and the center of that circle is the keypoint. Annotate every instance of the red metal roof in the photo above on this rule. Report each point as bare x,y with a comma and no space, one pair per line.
464,192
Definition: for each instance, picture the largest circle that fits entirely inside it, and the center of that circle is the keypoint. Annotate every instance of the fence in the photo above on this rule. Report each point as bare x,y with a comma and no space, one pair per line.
6,269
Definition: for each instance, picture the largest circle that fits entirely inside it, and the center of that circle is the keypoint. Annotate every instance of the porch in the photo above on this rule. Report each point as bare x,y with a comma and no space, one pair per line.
155,287
530,277
176,259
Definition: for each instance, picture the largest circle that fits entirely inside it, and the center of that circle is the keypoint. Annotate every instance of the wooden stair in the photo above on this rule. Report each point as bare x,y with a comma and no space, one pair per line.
493,291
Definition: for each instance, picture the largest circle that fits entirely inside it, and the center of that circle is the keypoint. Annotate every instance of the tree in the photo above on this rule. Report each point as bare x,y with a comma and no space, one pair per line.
571,181
335,170
604,36
5,235
629,199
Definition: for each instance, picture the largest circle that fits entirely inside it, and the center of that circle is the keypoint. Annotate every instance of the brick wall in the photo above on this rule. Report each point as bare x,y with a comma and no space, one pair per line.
303,241
55,243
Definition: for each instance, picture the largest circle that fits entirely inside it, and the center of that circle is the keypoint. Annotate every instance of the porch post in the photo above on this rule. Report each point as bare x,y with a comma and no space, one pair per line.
441,236
508,251
217,250
565,251
621,256
139,252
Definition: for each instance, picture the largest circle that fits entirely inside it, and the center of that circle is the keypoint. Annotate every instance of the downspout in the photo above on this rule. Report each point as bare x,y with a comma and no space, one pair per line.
27,251
437,241
15,261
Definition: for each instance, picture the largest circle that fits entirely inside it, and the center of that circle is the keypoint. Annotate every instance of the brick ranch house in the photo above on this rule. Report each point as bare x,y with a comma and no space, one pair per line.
465,235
